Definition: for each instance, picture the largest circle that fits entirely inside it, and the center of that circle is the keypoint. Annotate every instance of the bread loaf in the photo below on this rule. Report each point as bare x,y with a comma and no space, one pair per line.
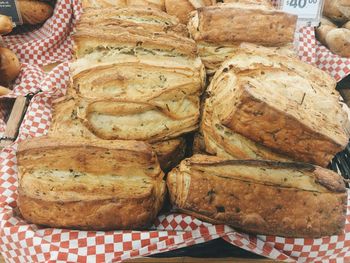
323,29
224,23
34,12
261,197
219,30
65,120
9,66
6,25
131,85
337,10
89,184
338,41
278,102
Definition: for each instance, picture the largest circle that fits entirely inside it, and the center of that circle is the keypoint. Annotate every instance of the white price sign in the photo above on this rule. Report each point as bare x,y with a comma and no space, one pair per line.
308,11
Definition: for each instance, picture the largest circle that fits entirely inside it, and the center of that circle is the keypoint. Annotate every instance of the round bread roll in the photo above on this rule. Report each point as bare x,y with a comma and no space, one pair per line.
159,4
322,30
6,25
34,12
337,10
9,66
338,41
182,8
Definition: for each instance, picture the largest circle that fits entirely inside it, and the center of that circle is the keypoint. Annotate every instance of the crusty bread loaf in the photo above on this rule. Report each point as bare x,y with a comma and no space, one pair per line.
323,29
9,66
225,24
65,120
338,41
337,10
34,12
278,102
261,197
129,84
182,8
89,184
219,30
6,25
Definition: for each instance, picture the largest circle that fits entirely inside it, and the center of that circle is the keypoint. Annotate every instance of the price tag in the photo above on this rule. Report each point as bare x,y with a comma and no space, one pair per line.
10,8
309,12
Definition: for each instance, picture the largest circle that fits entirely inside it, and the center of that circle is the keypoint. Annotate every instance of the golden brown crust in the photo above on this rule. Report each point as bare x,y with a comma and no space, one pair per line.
223,24
112,214
209,188
337,10
323,29
6,25
64,154
9,66
89,183
338,41
290,130
34,12
170,152
65,121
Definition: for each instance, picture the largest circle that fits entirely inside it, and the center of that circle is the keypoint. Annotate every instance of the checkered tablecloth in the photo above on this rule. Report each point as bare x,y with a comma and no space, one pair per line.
23,242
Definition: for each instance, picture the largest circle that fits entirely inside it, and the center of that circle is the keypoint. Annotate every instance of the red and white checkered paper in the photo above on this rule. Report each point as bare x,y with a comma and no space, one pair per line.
23,242
50,43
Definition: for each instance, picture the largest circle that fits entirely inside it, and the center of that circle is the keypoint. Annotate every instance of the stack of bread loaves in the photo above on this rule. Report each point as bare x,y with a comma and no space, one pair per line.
136,84
334,29
136,78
